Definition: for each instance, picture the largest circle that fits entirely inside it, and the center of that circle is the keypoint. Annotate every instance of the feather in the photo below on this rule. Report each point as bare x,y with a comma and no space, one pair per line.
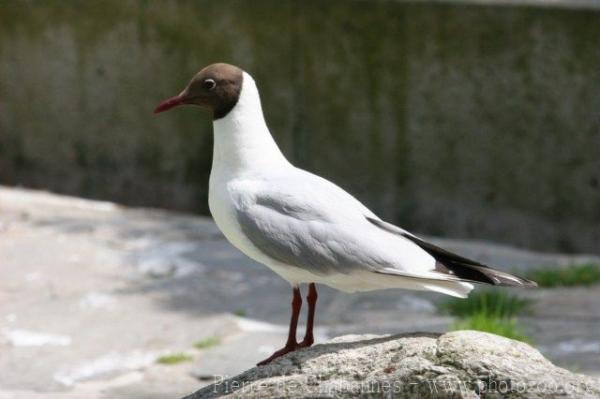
456,265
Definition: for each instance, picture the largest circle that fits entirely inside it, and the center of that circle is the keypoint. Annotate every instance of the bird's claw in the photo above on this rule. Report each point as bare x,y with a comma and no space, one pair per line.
288,348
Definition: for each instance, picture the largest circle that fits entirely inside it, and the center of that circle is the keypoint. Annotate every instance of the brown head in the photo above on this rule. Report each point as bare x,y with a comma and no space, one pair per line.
216,88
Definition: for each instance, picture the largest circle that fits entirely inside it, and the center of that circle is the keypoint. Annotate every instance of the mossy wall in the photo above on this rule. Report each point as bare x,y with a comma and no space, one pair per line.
461,120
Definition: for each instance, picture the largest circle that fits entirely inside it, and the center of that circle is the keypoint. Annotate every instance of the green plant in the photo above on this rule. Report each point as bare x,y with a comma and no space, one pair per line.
239,312
492,302
490,310
174,358
574,275
207,343
506,327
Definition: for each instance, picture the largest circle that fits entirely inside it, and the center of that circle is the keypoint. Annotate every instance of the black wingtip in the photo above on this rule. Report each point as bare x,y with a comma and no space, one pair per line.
480,273
509,280
459,266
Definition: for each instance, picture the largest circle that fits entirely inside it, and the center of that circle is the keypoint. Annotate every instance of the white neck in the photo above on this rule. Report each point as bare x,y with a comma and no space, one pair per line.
242,141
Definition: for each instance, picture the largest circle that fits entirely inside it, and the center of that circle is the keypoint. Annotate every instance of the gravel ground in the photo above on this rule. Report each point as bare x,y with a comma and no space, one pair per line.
92,294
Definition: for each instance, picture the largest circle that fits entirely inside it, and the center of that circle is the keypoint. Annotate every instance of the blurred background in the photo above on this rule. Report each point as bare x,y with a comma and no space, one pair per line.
453,119
468,120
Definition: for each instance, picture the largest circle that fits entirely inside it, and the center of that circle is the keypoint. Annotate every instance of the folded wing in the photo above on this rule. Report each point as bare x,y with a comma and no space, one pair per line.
314,225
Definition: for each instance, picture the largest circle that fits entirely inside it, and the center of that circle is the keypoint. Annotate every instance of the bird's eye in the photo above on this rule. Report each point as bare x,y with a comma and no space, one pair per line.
209,84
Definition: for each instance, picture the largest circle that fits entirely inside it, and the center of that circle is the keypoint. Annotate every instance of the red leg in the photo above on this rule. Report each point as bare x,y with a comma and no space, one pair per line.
311,298
291,344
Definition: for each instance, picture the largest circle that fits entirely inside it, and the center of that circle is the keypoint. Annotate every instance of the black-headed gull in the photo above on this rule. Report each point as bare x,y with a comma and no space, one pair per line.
303,227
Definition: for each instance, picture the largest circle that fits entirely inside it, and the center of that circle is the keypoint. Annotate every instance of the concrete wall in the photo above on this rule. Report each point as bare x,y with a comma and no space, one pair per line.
454,119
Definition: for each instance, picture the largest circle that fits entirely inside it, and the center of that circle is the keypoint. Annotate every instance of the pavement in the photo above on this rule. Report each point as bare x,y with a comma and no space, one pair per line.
93,294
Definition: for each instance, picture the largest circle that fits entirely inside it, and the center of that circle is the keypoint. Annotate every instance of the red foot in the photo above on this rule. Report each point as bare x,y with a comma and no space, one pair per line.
283,351
307,342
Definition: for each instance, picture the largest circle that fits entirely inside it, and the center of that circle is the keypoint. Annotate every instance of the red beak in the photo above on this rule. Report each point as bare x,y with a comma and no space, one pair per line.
168,104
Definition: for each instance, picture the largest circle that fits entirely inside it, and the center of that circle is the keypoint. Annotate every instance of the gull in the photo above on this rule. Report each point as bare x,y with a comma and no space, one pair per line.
302,226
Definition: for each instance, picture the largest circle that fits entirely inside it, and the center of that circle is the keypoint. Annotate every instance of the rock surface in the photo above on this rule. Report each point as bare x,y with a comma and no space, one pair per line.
460,364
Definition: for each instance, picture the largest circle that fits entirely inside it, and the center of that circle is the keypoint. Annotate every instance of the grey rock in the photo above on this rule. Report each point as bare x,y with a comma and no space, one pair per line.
459,364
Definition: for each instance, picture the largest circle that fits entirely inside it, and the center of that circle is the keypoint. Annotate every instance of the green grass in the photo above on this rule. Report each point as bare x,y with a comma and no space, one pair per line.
207,343
174,358
570,276
489,310
506,327
491,302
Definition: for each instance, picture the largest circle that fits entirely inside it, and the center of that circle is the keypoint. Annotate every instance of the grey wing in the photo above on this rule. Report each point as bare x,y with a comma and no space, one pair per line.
296,234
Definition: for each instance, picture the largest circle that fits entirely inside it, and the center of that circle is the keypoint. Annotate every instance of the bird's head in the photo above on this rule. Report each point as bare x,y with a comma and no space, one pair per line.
216,88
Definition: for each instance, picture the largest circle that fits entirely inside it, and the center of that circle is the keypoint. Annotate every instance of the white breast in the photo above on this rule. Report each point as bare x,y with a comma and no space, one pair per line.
222,208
